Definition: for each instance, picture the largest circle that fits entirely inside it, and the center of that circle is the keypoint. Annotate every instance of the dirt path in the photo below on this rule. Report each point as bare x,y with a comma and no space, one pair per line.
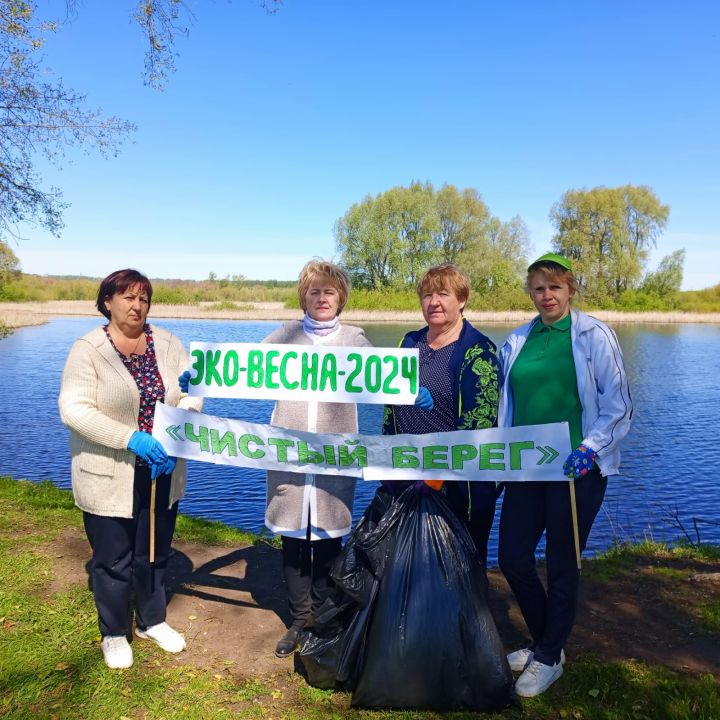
229,603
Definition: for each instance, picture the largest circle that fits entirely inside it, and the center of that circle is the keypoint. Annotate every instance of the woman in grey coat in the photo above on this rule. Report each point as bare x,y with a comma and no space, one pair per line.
312,512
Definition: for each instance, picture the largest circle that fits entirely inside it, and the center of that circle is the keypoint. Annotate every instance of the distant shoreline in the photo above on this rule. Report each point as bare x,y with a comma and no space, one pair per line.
17,315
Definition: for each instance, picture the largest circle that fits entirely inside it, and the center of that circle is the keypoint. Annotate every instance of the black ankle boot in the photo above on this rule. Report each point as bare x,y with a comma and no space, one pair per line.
288,643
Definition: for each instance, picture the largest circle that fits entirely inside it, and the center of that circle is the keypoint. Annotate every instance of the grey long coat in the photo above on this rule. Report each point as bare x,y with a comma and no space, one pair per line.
298,500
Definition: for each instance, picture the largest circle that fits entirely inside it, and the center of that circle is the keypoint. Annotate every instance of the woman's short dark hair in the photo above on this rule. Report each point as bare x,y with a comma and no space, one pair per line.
118,282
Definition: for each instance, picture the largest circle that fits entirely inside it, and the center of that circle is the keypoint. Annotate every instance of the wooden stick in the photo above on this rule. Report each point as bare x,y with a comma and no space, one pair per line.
152,521
576,533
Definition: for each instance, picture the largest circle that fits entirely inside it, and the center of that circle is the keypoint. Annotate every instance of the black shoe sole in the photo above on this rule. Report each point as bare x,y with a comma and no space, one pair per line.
285,655
285,642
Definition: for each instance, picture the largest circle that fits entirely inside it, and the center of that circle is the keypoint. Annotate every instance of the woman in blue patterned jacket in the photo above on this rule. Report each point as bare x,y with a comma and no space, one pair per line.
459,379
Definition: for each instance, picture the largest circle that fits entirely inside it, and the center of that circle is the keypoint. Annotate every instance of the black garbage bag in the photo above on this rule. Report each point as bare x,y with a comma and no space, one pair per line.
431,641
414,630
331,649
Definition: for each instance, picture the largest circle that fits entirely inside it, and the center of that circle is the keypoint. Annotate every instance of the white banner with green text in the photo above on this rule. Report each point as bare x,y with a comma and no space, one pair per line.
525,453
304,372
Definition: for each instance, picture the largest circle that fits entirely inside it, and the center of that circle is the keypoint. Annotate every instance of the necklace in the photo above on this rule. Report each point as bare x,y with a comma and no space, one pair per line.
137,342
121,343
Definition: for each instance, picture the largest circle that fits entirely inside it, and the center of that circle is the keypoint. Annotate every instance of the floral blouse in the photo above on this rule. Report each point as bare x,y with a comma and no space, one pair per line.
145,372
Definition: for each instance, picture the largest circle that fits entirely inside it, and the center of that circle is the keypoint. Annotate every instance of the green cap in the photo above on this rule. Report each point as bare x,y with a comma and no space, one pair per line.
555,258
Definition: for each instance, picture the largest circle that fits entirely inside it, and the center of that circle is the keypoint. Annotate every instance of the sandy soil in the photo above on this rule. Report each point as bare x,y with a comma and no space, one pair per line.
22,314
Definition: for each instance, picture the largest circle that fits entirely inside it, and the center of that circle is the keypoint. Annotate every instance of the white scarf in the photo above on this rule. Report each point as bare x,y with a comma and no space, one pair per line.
320,327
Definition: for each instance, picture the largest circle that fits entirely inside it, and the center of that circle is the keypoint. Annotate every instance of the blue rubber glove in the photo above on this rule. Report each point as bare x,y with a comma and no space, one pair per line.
163,468
184,381
145,446
579,462
424,399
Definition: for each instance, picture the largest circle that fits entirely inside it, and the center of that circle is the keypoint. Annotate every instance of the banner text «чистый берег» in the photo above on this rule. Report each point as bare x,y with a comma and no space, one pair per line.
533,452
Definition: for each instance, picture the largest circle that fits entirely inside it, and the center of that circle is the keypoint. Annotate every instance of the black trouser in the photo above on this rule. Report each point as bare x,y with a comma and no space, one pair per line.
306,567
528,509
474,504
120,563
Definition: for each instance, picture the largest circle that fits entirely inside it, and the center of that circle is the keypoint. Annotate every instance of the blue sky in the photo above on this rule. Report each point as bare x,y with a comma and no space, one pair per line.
274,124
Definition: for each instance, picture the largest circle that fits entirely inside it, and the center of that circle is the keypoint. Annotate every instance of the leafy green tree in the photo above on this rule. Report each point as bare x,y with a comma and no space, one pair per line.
667,279
389,240
9,264
499,258
369,247
462,222
410,215
608,233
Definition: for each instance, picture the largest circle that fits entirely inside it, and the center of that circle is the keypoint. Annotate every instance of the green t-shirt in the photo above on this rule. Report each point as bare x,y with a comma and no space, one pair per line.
543,380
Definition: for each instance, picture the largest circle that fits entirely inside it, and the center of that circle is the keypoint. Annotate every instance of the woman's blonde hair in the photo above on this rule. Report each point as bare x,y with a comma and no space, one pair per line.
324,271
445,277
552,270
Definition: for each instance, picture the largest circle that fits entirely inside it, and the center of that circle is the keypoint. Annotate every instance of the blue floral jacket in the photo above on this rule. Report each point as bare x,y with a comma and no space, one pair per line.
476,379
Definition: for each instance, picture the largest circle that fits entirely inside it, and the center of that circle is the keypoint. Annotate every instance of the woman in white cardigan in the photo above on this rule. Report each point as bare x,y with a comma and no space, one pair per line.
311,512
112,379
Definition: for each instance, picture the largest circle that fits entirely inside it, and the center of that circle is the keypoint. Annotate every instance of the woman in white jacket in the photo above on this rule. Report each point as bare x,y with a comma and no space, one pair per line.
562,366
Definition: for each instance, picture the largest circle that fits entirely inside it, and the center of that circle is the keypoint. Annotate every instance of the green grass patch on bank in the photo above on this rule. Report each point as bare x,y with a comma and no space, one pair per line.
212,532
711,617
622,558
51,666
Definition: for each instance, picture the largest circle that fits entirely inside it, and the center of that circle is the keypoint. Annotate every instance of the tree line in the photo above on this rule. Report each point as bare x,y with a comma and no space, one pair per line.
386,241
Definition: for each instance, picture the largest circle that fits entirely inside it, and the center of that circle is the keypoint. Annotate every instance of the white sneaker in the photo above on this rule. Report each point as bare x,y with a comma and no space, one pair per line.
168,639
520,659
117,652
537,678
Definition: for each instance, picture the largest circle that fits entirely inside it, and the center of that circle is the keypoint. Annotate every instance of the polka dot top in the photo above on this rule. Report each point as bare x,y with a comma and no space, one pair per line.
434,375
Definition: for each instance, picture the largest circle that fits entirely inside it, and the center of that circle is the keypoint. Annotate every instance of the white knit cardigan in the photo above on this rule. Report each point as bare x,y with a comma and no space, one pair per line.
99,402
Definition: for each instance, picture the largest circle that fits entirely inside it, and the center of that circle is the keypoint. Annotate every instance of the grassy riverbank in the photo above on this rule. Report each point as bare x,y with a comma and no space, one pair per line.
644,647
16,315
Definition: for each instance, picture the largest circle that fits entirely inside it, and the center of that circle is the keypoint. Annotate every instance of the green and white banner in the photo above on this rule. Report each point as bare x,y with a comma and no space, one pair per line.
531,452
304,372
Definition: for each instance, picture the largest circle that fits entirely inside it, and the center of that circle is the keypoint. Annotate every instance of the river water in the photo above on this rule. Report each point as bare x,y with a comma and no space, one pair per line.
669,470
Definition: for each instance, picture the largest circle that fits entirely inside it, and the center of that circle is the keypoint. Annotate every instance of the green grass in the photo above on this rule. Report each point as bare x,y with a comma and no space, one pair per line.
36,288
235,289
621,558
711,617
51,667
229,305
211,532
